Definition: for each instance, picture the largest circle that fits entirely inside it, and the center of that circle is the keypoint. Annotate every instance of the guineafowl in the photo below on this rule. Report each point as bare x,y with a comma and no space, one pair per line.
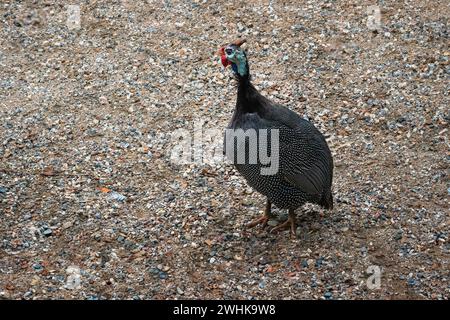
304,169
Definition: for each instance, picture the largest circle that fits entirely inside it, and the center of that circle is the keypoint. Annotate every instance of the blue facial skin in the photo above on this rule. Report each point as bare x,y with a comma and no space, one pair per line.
238,59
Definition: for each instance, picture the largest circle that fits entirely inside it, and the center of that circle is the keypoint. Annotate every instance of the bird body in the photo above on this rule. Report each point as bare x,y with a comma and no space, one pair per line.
305,168
306,165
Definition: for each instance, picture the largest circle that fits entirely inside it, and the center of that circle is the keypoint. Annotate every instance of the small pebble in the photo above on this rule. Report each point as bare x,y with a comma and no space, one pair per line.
411,282
319,262
328,295
272,223
38,267
116,196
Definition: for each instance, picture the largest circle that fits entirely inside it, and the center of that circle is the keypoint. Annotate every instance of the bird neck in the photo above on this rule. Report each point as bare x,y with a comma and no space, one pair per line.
247,97
249,100
240,68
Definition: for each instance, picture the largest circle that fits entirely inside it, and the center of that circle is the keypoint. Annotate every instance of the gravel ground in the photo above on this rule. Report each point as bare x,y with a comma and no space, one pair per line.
92,207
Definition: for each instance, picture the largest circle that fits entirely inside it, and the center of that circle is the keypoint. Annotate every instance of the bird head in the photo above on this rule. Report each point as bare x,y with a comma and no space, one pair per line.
232,54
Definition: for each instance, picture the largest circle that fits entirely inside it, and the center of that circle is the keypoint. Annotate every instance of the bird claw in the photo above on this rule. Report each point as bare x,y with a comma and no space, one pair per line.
289,223
261,220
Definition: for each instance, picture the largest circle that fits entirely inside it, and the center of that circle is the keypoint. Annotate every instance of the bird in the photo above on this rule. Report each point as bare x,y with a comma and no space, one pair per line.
305,163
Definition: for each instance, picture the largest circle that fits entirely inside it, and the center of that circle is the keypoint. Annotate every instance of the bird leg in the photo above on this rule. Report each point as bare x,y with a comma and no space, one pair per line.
263,219
289,223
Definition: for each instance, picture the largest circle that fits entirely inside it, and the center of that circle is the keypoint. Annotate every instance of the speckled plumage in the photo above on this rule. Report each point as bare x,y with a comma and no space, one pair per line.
305,161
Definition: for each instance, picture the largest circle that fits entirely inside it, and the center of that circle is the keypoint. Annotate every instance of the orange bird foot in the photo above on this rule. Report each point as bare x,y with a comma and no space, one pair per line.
288,224
261,220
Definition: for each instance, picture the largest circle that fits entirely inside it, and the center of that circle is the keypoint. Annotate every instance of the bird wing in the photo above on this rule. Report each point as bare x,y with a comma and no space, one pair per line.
303,152
305,161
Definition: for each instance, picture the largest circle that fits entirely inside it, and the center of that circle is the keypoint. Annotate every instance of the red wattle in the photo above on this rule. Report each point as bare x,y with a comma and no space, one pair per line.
224,60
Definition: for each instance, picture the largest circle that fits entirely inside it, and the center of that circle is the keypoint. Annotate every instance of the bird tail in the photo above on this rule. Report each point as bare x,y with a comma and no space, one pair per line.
327,200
